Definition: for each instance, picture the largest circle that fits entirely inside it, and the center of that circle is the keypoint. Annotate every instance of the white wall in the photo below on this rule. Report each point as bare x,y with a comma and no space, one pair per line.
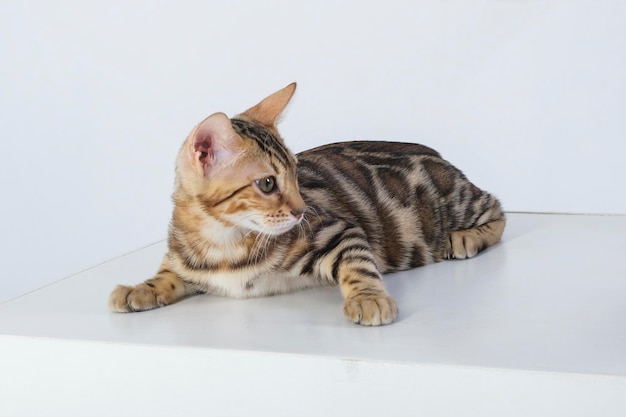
527,97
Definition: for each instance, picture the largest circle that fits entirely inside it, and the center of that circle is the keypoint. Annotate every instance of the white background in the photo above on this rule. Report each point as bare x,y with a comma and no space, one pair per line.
527,97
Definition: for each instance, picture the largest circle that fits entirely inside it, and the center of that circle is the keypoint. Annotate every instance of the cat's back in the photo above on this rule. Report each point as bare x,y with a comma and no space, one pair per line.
367,150
366,164
369,166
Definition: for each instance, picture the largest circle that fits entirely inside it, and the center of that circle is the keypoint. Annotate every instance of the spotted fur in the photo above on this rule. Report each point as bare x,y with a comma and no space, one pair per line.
340,214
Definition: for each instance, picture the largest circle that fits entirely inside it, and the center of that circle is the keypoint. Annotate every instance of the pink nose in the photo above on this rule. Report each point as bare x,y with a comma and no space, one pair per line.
297,213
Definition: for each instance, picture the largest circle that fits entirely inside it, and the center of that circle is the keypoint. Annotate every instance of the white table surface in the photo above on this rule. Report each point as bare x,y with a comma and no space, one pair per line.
551,297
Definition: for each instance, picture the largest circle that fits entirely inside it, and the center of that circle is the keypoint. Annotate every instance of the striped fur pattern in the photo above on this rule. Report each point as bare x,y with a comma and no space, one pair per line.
250,221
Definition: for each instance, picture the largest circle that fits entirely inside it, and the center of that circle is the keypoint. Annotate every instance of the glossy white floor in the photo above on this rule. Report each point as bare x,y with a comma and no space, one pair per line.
534,326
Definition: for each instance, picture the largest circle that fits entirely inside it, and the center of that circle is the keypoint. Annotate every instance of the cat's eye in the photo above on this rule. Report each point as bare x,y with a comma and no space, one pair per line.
267,184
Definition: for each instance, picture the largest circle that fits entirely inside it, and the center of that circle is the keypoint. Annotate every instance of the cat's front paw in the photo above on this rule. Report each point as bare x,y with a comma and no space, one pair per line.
125,299
371,310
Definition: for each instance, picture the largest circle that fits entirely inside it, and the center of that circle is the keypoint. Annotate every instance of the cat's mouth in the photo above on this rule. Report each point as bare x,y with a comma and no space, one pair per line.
282,228
274,230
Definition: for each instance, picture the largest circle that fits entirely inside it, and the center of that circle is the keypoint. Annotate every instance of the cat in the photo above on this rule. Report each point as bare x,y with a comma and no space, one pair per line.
252,219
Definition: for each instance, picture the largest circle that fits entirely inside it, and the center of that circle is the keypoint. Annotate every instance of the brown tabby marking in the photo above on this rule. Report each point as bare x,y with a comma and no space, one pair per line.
250,221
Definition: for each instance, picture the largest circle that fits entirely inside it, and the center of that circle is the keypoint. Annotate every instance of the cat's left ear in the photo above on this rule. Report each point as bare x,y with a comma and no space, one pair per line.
212,143
269,110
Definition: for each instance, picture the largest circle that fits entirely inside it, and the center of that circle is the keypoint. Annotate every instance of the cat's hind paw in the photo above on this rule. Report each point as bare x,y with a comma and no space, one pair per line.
461,245
371,310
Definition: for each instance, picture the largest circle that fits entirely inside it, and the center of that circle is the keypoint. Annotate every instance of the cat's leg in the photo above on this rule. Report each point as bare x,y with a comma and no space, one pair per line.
462,244
347,260
162,289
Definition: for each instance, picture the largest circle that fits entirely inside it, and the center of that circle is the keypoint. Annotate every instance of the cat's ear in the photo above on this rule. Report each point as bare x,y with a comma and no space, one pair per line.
269,110
213,142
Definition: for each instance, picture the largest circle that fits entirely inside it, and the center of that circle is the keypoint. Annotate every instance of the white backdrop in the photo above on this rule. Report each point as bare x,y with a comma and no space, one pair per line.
527,97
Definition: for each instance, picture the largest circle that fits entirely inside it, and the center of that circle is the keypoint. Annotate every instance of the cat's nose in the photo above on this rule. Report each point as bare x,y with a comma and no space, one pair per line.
297,213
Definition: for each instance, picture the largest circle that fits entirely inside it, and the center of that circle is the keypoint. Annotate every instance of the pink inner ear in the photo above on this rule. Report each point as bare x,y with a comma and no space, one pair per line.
214,142
203,145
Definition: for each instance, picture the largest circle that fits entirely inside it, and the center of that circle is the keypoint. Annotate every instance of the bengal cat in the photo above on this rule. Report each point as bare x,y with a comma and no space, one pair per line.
251,219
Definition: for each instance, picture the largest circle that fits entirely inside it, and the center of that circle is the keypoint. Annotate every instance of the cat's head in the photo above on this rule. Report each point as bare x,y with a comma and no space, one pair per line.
239,171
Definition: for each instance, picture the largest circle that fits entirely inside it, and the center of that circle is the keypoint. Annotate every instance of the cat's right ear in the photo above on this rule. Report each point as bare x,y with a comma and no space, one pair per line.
212,143
268,111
